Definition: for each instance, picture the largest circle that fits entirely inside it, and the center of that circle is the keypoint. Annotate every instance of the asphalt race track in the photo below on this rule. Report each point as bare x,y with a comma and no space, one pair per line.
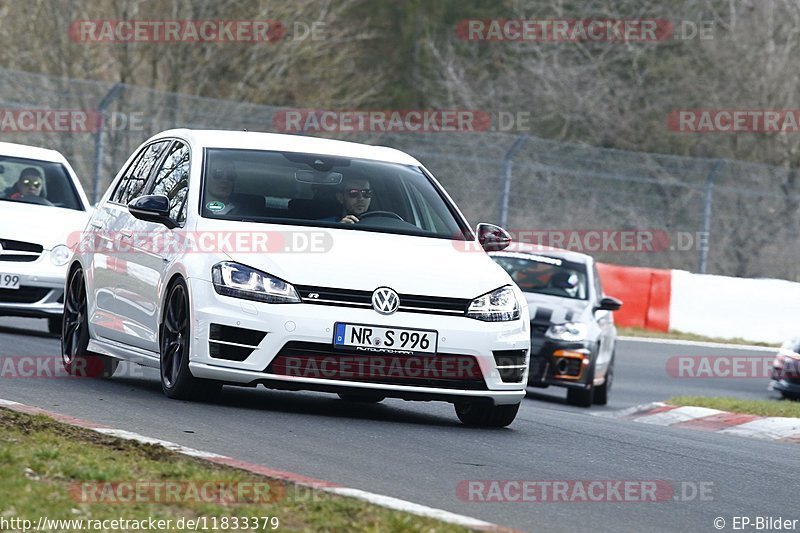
420,452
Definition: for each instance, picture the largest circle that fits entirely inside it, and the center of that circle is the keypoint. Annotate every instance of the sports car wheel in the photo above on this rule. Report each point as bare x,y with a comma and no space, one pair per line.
177,380
77,360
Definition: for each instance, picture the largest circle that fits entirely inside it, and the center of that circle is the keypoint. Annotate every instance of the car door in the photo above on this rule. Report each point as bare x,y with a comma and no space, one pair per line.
113,244
154,247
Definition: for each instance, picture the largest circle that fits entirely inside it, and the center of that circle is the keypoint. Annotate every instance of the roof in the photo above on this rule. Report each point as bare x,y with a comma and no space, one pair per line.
31,152
254,140
535,249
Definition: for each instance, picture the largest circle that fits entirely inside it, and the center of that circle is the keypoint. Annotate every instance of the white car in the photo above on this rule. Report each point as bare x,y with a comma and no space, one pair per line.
37,221
221,257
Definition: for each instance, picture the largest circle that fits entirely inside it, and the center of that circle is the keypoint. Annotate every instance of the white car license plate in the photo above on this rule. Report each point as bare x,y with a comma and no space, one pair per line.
9,281
385,339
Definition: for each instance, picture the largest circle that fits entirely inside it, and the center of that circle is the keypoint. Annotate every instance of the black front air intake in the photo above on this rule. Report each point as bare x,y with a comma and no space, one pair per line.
232,343
510,364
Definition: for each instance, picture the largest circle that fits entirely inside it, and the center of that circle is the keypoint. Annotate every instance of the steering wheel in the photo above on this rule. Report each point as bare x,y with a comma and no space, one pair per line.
386,214
31,199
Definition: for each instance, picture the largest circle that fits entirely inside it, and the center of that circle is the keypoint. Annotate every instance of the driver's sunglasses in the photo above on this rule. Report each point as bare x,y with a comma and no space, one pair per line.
35,183
355,193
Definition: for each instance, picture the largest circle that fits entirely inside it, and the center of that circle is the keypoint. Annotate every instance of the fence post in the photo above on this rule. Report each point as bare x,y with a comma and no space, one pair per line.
506,189
98,137
708,199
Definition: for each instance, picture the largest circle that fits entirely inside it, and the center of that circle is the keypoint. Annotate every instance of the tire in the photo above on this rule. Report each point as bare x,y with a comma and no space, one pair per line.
55,324
486,414
75,357
174,334
601,393
580,397
361,397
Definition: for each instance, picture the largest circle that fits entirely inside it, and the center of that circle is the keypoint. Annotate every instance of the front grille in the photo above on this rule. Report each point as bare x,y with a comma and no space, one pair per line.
510,364
23,295
19,251
410,303
232,343
322,361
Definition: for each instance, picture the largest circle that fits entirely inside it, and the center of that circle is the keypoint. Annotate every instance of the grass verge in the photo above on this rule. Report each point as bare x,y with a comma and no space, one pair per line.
735,405
52,469
680,335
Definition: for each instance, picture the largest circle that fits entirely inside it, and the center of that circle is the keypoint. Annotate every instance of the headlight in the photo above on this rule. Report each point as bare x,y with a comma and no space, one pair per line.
570,332
60,255
498,306
239,281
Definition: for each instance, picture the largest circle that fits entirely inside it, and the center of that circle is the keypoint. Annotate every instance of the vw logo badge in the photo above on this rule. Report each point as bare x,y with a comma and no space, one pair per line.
385,300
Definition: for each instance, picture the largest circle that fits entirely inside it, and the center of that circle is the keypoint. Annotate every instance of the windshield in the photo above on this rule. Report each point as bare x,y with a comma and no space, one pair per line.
545,275
37,182
327,191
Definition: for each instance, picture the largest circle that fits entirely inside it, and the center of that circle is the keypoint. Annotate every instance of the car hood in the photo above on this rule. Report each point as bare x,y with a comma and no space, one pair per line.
44,225
363,260
547,309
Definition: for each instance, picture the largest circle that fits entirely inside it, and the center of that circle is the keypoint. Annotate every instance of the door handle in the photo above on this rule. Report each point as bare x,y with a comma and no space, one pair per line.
126,233
96,225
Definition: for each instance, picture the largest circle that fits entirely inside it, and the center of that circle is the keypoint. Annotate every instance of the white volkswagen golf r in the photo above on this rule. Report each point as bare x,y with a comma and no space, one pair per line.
245,258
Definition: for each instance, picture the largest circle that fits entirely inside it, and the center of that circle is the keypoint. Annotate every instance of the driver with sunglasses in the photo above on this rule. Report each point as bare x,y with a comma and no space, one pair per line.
355,197
29,184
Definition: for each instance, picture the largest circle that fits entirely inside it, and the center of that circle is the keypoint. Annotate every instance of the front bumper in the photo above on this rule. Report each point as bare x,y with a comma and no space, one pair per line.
265,330
41,292
559,363
786,386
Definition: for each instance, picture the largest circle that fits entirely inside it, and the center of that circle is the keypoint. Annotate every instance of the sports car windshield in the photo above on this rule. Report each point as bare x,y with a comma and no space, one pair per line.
326,191
37,182
545,275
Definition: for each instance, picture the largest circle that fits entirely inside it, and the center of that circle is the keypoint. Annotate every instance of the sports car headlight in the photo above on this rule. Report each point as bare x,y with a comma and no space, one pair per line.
570,332
59,255
239,281
498,306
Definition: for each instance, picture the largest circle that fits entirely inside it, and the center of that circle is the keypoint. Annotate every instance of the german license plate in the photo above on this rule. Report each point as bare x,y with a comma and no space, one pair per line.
9,281
378,338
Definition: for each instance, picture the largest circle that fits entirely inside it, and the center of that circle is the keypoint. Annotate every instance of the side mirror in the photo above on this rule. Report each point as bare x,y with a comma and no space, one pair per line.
152,208
493,238
607,303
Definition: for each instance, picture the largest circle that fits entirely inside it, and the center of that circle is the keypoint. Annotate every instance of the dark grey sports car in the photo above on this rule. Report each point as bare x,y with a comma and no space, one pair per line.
572,325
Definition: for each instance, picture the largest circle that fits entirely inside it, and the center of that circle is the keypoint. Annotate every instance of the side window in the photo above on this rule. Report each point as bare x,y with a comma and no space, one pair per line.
132,183
172,180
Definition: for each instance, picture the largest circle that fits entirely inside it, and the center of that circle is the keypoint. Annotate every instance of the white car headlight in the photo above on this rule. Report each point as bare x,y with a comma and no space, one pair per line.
500,305
570,332
239,281
60,255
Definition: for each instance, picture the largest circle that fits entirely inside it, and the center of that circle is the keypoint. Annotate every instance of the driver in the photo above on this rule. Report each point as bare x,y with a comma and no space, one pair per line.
29,184
355,196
